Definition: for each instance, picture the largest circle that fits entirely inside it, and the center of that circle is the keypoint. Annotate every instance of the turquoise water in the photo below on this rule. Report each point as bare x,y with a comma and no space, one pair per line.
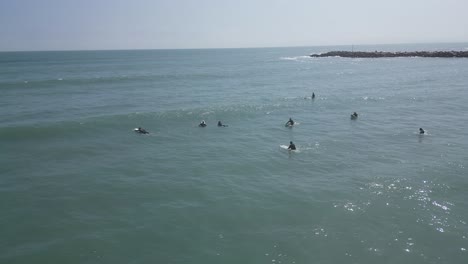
77,185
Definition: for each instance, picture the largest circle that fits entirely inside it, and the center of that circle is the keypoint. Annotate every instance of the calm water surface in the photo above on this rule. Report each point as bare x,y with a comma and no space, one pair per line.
77,185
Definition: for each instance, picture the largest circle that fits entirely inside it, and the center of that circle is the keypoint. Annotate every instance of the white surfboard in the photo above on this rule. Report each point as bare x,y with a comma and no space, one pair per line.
286,147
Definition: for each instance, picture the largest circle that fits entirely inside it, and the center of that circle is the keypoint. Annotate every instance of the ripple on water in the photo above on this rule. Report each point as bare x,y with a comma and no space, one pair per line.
353,206
430,208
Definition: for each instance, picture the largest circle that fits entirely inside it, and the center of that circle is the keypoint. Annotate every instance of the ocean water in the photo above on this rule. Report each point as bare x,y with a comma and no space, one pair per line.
77,185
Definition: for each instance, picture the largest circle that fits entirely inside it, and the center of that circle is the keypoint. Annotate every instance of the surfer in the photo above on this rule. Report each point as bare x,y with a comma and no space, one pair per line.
202,124
221,124
291,146
290,122
313,95
354,115
141,130
421,131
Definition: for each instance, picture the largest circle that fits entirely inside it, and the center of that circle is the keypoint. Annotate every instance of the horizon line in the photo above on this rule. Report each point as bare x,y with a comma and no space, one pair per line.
256,47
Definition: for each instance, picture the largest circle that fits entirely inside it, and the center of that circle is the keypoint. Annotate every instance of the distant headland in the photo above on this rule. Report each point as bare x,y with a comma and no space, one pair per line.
384,54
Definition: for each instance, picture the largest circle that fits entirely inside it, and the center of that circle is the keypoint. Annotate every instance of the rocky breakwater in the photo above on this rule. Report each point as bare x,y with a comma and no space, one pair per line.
383,54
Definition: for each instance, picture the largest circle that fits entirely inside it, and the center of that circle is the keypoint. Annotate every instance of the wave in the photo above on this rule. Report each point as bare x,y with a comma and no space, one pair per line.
99,80
103,124
44,132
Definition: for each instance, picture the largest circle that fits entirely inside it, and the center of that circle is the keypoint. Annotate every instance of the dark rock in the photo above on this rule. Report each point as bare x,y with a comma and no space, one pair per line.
383,54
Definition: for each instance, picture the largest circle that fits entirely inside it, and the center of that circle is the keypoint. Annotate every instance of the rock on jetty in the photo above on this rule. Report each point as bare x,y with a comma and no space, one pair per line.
383,54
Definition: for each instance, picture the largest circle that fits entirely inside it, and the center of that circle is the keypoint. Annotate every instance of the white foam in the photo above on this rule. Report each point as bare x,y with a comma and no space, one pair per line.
296,58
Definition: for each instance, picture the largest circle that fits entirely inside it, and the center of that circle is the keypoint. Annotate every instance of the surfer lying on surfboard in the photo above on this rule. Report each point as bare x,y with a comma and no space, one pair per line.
141,130
289,123
221,124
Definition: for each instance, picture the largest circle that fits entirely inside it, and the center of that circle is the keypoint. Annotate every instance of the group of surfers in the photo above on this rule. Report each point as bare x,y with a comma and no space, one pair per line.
290,123
203,124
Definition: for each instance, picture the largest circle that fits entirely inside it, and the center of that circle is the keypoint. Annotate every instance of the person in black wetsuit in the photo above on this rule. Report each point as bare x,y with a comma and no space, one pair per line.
290,122
221,124
313,95
141,130
202,124
354,115
421,131
291,146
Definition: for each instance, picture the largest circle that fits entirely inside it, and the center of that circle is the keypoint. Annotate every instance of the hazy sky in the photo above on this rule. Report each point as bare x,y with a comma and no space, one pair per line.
173,24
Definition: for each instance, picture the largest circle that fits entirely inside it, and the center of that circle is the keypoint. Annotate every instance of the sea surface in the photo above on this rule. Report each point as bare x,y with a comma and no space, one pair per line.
78,185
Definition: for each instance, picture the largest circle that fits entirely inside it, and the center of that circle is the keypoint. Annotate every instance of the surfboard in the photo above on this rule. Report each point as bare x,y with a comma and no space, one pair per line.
141,132
286,147
293,125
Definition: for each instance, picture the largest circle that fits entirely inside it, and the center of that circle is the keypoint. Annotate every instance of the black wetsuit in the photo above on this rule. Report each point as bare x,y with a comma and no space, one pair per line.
202,125
141,131
292,147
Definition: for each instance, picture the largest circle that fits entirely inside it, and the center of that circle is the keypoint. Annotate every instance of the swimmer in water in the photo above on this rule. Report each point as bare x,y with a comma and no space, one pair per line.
354,115
421,131
202,124
291,146
313,95
141,130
